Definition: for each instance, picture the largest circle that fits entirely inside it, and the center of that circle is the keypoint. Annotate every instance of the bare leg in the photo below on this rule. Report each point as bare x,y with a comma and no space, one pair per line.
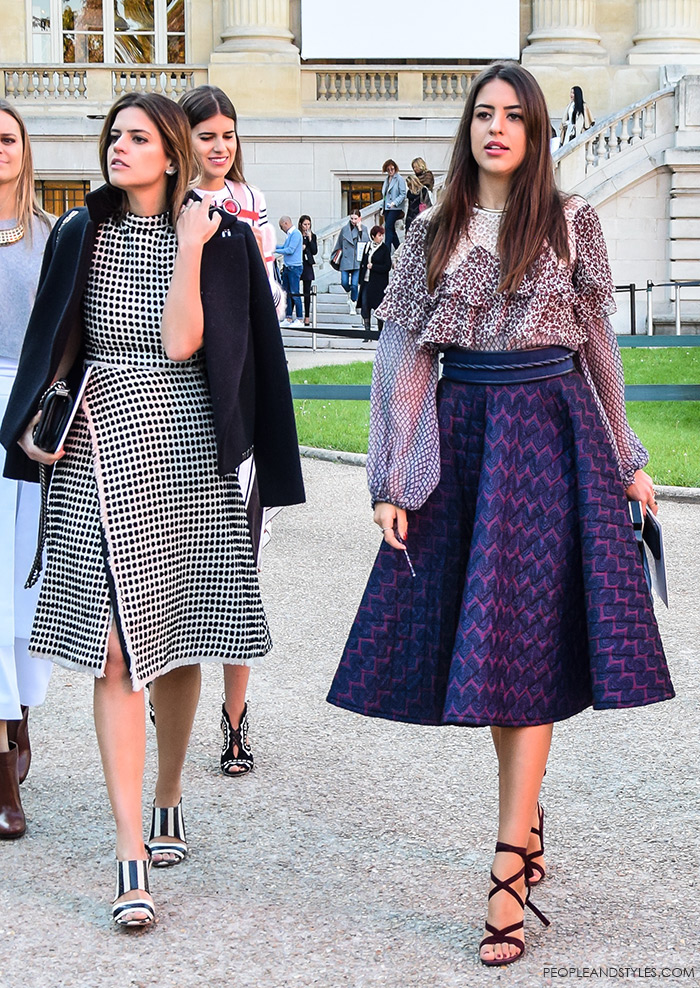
522,758
174,696
235,686
4,742
533,843
121,735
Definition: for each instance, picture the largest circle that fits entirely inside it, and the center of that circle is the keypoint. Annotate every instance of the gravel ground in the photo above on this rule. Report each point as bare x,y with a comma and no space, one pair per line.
357,853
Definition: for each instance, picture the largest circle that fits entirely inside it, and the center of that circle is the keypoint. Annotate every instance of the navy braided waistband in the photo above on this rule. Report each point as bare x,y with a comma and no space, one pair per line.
506,366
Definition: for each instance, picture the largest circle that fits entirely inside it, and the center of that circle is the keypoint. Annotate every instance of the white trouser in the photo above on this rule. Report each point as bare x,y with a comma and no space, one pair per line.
23,678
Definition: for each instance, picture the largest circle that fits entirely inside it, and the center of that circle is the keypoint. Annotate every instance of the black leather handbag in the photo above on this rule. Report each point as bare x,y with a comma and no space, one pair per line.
56,406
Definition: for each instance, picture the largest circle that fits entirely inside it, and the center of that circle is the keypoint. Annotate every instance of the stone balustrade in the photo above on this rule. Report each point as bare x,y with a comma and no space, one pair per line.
427,92
68,85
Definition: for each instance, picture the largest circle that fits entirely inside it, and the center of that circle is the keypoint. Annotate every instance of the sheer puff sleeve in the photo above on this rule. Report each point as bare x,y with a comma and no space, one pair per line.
599,355
407,301
403,459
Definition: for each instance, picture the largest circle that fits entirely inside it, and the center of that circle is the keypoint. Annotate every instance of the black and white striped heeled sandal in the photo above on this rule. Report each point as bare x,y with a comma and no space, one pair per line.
167,821
132,876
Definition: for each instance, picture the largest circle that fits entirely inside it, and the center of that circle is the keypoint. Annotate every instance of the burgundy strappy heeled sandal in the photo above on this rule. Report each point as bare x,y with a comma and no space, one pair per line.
532,868
506,934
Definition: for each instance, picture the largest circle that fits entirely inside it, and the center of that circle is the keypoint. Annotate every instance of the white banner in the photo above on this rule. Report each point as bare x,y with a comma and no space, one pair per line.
388,29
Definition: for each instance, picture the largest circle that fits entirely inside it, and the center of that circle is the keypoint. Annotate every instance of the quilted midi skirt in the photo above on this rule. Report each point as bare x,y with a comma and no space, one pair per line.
529,601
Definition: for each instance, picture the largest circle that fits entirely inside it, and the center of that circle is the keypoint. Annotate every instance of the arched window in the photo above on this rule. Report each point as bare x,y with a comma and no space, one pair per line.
108,31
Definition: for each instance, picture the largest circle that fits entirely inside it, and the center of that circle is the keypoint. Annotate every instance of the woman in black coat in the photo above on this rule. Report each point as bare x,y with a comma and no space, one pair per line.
148,546
374,277
310,250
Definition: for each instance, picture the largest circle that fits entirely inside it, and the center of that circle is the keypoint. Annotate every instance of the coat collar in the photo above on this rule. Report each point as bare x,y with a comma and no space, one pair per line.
104,202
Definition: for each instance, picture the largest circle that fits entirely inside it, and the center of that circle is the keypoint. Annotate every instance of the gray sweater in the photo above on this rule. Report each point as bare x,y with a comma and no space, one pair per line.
20,264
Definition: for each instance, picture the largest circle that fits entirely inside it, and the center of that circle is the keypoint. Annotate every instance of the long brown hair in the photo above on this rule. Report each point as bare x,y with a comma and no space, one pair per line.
204,102
534,209
175,134
27,205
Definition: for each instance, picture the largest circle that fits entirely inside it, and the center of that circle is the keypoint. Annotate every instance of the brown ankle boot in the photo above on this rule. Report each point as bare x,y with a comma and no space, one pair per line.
18,731
12,822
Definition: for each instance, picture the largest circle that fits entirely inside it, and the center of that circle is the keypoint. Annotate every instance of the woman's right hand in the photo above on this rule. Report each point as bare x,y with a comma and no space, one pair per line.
392,521
26,442
195,226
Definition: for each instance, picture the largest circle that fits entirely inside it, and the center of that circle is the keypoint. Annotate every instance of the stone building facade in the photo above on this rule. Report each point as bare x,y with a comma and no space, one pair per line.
315,133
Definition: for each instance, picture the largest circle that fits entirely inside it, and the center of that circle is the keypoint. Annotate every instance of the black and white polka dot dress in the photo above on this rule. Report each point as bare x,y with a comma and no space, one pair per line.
141,526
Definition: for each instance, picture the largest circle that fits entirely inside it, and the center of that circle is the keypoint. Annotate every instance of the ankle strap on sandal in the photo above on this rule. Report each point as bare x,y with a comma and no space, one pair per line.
510,848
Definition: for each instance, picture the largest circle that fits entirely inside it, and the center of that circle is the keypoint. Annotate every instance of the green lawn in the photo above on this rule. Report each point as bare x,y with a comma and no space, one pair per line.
670,430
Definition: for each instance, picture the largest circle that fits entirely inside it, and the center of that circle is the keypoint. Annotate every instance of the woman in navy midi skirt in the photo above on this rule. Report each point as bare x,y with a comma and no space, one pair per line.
523,599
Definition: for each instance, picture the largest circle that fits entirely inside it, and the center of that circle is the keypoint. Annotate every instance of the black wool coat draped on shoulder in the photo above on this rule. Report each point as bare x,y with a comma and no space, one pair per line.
244,356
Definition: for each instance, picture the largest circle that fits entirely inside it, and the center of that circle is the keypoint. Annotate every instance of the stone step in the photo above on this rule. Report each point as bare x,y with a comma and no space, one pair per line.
332,308
666,326
302,340
344,320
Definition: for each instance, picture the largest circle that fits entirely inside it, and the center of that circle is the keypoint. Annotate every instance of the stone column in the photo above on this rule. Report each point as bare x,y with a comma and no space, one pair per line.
563,32
256,25
668,31
256,62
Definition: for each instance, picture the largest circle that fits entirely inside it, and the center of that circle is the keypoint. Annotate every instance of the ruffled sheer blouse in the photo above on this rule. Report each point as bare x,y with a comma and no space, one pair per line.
561,304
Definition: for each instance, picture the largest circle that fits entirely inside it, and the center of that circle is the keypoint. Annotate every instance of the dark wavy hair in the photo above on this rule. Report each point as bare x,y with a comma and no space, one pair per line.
175,134
204,102
534,209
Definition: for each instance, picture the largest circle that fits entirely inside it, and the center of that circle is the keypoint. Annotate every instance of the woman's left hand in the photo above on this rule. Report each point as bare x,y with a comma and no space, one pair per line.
642,490
195,226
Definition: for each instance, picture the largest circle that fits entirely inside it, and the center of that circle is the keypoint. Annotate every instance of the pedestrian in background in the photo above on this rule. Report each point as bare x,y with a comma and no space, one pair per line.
309,255
374,277
393,200
419,185
24,229
351,235
214,124
213,120
291,251
523,600
576,119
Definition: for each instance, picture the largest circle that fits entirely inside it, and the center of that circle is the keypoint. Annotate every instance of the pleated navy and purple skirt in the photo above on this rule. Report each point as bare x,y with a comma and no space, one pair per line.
529,602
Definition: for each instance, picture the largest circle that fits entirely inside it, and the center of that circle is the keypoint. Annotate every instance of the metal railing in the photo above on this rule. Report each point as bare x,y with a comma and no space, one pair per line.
677,287
633,392
632,290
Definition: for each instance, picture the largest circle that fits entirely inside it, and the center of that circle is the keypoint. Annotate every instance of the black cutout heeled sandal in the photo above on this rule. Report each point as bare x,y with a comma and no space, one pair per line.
132,876
241,763
167,821
506,934
532,868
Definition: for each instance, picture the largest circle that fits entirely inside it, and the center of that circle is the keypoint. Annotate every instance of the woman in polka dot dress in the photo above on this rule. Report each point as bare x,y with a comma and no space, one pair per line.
150,568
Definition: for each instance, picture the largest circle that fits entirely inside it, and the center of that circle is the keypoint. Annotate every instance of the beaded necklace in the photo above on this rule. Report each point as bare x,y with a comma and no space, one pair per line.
11,236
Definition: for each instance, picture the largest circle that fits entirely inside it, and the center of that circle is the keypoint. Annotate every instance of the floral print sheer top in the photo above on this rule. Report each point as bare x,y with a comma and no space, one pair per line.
561,304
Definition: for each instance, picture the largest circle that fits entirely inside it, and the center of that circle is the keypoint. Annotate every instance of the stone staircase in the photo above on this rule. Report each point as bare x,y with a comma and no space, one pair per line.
332,313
